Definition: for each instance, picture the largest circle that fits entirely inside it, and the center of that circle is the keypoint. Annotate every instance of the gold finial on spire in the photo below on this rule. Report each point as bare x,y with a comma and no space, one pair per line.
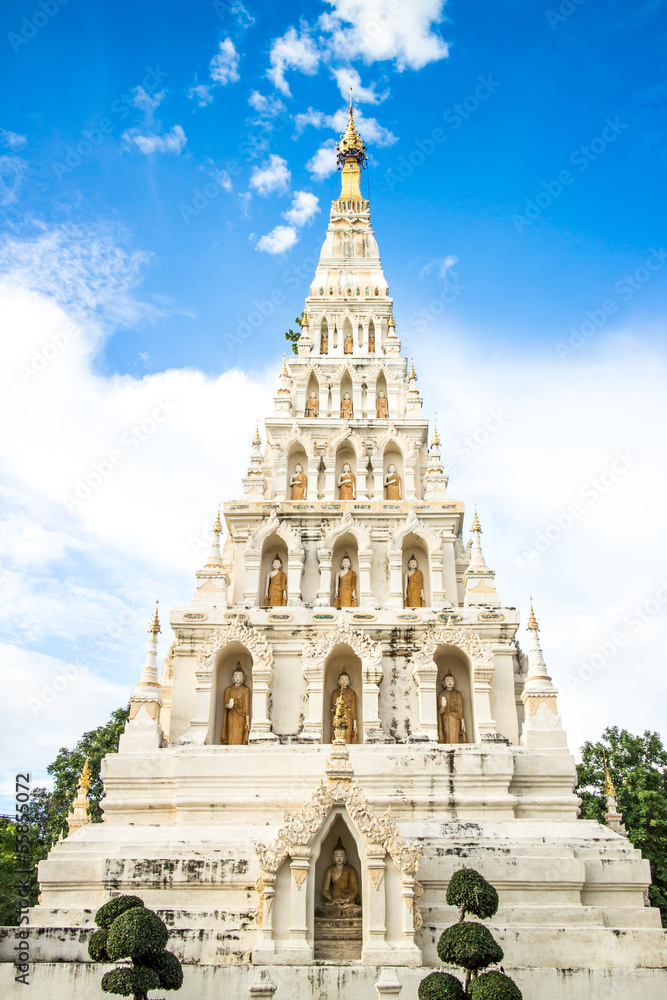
217,527
475,526
532,625
257,439
391,325
608,783
154,626
283,371
305,321
350,96
351,144
412,374
435,440
84,780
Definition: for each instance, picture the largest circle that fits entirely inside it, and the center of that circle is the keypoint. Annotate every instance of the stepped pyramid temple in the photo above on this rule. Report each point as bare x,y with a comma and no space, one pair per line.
344,718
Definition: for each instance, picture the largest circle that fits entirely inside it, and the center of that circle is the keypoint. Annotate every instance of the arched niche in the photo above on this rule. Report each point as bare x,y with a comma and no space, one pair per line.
313,386
225,664
346,386
324,336
345,453
360,335
337,824
414,545
345,545
381,388
272,546
393,455
451,659
341,658
296,456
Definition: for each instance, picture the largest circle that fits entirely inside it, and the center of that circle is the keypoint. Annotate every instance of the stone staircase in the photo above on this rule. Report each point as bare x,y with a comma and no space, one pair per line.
337,939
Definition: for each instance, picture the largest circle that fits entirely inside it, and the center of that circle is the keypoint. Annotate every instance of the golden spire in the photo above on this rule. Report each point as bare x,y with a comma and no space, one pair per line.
391,325
351,144
435,440
217,527
608,783
532,621
305,321
283,371
154,626
84,780
475,526
257,439
412,374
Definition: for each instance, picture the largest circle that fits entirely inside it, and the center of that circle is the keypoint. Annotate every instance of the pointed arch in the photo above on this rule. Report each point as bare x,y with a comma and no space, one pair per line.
348,525
274,525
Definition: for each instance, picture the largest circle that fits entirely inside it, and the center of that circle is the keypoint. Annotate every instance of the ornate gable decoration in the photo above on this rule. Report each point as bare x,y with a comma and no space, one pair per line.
480,652
282,529
302,826
348,523
407,446
412,525
368,651
236,631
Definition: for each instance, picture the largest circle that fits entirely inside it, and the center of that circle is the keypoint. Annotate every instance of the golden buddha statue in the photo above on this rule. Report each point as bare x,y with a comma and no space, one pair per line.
340,888
371,341
236,727
312,405
347,407
349,699
348,344
298,483
392,482
324,342
346,585
276,585
413,585
381,406
451,727
347,484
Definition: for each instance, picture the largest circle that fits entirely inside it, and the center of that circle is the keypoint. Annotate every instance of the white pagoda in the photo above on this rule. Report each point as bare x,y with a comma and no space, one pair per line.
346,554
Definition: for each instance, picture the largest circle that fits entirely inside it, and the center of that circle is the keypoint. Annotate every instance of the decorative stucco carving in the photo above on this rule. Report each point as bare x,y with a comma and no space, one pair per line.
392,436
368,651
346,434
302,826
413,526
236,631
480,652
274,525
167,675
348,523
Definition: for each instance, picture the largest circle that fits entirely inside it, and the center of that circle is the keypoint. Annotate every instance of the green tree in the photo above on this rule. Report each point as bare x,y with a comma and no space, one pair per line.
128,930
638,768
293,335
469,945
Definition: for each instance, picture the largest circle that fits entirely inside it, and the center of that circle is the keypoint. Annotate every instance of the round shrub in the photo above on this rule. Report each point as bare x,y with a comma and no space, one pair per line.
129,981
97,946
440,986
494,986
469,945
168,969
107,913
136,933
470,889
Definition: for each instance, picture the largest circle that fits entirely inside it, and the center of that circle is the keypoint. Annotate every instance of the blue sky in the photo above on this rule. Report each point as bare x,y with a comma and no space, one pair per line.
166,173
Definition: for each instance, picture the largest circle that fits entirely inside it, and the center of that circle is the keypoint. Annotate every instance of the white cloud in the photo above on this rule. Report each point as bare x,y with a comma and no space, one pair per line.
147,102
368,30
267,108
369,128
278,240
347,77
323,162
303,209
310,117
168,142
294,50
12,139
224,66
218,174
272,176
12,171
202,93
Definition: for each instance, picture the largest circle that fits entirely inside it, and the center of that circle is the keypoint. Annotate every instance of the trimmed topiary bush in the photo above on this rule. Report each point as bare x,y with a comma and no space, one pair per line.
107,913
168,969
131,981
135,934
440,986
129,930
470,945
97,946
471,892
494,986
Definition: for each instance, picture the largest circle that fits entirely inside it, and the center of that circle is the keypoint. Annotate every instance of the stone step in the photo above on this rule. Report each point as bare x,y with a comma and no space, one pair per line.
340,934
337,922
337,952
